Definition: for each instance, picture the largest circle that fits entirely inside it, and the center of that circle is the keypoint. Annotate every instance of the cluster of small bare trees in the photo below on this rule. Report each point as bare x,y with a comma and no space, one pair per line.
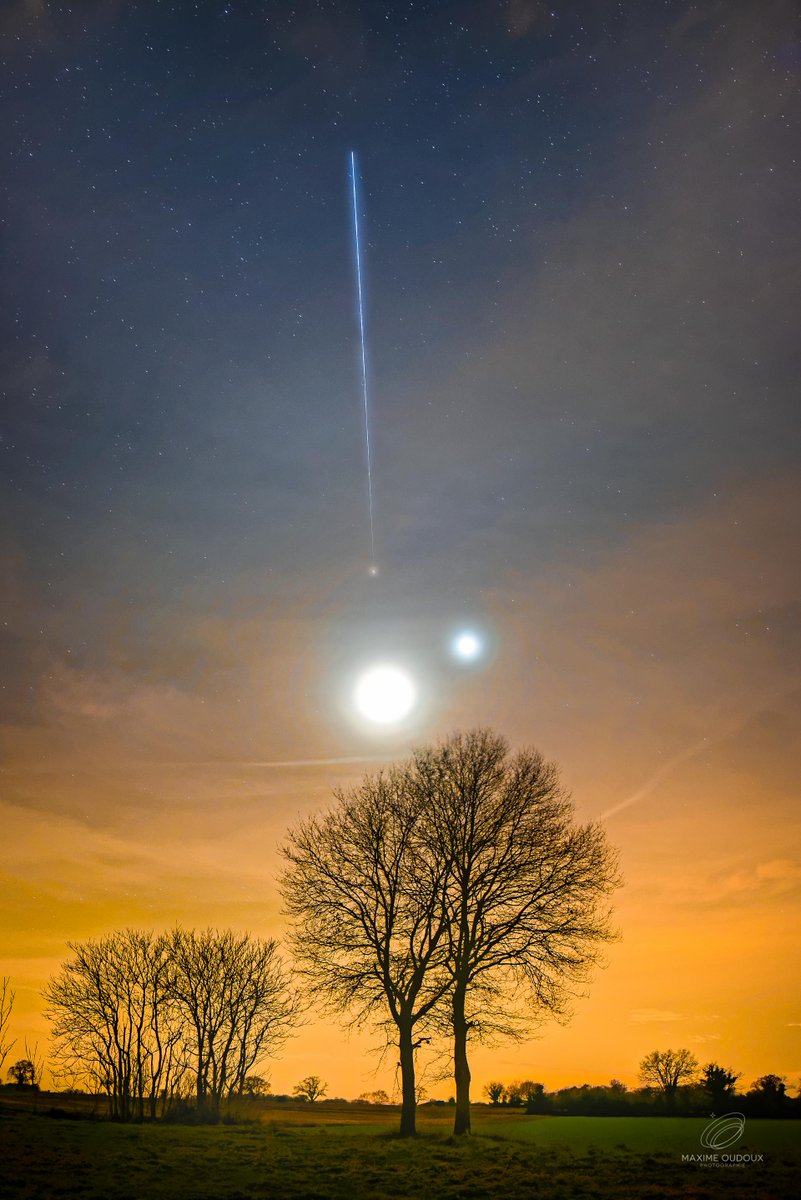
146,1018
378,1096
451,895
520,1092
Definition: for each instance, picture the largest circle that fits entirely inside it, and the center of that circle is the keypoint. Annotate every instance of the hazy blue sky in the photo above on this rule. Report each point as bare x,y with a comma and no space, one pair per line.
582,283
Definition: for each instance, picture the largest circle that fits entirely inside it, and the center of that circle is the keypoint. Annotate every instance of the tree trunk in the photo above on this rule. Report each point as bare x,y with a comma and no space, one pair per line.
461,1067
408,1126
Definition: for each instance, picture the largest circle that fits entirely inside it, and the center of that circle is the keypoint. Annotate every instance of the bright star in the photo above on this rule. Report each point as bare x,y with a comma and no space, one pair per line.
466,646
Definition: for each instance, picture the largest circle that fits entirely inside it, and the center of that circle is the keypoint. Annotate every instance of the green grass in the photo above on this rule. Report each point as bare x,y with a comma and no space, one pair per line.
642,1135
284,1156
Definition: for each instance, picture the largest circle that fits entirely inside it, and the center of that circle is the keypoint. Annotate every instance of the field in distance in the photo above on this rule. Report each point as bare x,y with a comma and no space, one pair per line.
329,1151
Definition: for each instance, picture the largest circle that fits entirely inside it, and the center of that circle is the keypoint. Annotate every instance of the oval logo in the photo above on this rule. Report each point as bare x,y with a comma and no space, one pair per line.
723,1131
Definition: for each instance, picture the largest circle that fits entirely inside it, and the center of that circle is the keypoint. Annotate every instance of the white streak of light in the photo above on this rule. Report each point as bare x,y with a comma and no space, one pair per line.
363,351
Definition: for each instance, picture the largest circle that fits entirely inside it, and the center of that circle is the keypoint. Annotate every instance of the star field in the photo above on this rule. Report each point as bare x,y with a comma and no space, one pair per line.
581,278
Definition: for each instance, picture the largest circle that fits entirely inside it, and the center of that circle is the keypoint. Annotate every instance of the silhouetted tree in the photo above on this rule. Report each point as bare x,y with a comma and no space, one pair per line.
22,1072
770,1085
495,1092
525,1092
377,1097
234,995
255,1085
524,891
718,1082
665,1070
535,1096
311,1088
369,918
768,1095
6,1008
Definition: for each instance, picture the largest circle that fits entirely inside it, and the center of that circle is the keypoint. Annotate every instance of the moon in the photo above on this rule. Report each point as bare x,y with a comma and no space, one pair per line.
384,694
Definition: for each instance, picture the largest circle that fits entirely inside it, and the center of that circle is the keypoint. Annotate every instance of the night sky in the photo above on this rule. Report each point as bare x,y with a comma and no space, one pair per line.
582,285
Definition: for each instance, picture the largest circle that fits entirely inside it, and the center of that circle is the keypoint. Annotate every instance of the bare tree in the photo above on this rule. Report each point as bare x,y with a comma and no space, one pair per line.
530,1091
665,1070
524,893
114,1019
311,1088
37,1061
22,1072
495,1092
6,1007
255,1085
234,995
514,1094
369,917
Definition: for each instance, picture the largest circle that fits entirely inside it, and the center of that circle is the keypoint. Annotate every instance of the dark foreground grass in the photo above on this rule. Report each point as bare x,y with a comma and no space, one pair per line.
49,1159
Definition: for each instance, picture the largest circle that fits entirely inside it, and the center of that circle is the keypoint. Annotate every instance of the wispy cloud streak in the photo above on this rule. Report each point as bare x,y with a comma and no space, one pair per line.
727,731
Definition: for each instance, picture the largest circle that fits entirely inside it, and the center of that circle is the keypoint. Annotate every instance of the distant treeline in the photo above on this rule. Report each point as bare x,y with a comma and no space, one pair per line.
767,1097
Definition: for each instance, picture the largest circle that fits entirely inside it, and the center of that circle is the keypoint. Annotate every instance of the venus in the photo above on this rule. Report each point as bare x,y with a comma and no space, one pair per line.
466,645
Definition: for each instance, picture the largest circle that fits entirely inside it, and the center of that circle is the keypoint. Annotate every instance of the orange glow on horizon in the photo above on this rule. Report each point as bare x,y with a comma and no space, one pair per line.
137,804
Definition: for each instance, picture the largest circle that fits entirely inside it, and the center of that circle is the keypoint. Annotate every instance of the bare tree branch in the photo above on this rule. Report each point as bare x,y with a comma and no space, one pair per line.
7,997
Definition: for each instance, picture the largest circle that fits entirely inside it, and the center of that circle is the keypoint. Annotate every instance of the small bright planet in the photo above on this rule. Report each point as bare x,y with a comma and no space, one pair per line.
385,694
467,645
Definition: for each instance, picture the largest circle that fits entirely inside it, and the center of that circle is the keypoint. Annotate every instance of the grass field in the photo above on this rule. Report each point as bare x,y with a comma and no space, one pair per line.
326,1154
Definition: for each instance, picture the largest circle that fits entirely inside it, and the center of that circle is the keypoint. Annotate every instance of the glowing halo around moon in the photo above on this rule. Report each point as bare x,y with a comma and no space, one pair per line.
384,694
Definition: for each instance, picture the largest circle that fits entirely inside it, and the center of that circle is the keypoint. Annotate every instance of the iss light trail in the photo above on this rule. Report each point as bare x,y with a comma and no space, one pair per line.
365,397
385,694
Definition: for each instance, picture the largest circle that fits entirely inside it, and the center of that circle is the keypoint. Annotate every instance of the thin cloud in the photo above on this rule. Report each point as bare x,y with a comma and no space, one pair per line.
648,1016
272,764
696,748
